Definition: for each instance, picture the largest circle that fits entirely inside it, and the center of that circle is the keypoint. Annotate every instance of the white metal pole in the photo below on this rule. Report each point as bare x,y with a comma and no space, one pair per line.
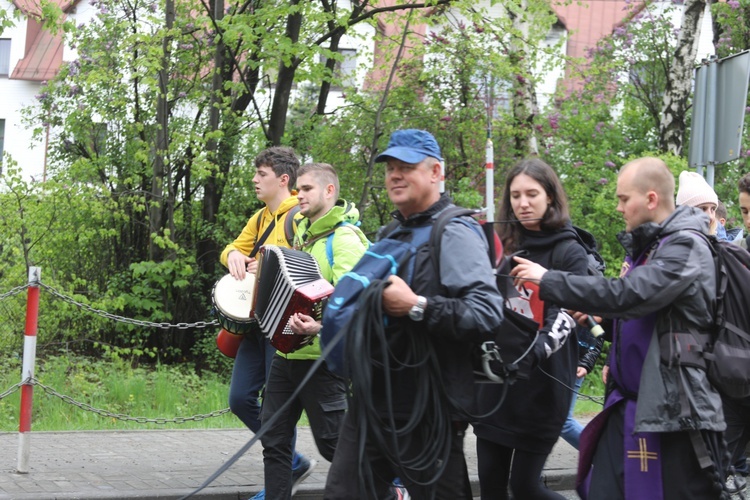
442,177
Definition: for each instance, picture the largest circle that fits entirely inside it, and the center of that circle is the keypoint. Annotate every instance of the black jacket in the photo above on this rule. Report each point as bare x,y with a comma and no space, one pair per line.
678,283
464,308
534,411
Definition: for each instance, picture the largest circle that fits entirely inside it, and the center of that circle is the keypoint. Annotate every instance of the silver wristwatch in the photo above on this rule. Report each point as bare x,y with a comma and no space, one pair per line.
416,312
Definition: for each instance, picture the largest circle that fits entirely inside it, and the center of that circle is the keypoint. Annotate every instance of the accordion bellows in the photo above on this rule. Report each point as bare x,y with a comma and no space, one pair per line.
287,282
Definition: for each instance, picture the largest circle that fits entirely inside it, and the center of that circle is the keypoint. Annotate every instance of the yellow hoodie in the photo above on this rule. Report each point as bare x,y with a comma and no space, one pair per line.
245,242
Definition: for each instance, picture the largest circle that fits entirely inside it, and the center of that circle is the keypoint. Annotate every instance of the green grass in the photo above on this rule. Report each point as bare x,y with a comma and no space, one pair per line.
160,392
593,387
164,392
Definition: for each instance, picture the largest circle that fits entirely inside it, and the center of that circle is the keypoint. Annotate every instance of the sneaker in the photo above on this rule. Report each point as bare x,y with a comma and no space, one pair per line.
299,473
399,491
736,483
261,495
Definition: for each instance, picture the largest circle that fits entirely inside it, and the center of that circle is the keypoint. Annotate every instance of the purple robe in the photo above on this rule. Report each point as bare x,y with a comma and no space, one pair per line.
642,457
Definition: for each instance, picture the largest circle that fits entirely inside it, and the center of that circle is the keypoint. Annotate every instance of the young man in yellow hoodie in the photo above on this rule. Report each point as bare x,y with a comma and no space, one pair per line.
329,233
275,176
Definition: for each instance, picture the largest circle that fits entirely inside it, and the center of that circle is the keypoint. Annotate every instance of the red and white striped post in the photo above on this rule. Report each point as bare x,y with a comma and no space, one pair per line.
489,193
29,357
442,177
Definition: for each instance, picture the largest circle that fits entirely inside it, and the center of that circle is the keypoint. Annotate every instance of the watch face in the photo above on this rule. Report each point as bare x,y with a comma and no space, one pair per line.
416,313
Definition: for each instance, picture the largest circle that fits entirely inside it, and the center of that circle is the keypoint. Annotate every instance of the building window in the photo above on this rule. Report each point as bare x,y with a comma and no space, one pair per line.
345,71
4,56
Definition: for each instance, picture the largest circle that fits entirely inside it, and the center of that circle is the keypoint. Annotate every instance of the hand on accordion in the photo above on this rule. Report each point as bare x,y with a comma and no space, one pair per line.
302,324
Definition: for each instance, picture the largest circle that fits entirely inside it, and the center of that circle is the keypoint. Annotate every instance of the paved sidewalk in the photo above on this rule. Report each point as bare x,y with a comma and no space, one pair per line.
169,464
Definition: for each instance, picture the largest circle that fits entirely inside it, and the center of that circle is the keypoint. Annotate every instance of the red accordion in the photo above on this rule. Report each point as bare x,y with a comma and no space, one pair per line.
287,282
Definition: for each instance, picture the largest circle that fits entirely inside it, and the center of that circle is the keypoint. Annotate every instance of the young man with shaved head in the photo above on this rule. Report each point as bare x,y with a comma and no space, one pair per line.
659,435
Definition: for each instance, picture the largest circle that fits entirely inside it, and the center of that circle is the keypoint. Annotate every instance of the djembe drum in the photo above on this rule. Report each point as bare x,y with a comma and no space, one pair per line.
232,300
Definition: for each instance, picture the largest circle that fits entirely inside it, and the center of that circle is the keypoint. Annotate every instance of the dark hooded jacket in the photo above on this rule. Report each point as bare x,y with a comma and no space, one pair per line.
677,282
533,413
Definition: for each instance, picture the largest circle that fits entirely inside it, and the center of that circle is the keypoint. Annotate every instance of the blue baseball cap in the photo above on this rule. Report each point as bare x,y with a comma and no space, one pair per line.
410,146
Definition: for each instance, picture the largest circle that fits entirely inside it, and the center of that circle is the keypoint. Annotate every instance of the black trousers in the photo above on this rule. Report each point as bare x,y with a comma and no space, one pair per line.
344,483
737,435
324,401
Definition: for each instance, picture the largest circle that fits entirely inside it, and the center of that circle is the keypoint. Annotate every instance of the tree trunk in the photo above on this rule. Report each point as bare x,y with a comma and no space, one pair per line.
680,79
156,209
325,85
277,122
207,252
524,97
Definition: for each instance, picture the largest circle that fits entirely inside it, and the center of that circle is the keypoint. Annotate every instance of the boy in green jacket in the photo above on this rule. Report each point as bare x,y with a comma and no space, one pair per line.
327,232
274,180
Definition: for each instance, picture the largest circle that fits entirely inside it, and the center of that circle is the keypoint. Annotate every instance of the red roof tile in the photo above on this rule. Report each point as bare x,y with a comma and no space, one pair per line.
588,22
43,53
43,58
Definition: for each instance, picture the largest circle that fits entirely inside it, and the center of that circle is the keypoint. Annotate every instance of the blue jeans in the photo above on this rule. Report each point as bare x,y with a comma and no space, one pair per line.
251,367
571,431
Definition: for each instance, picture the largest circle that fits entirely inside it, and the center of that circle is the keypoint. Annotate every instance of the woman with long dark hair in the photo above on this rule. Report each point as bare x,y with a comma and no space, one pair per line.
513,443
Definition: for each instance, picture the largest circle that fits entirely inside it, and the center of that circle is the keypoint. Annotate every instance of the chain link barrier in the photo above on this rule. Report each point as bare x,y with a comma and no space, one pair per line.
121,416
122,319
87,407
13,291
11,390
105,314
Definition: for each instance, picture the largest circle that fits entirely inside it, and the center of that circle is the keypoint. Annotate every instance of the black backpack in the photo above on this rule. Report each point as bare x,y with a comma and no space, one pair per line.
596,265
390,255
724,351
728,354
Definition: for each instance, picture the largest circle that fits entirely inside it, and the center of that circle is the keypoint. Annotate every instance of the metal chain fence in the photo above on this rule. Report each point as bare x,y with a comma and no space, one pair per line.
11,390
104,413
13,291
122,319
105,314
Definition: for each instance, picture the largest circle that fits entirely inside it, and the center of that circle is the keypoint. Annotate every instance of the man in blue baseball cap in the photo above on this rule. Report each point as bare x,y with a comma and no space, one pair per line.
412,170
447,310
410,146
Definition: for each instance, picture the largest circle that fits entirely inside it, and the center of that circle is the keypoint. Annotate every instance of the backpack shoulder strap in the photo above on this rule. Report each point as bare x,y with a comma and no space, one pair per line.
329,242
290,226
588,242
260,241
442,220
386,230
329,239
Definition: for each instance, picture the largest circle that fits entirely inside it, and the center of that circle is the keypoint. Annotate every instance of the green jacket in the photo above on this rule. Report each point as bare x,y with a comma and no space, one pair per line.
348,245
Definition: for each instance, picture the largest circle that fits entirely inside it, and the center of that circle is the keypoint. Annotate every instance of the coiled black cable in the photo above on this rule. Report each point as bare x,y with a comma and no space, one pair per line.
368,355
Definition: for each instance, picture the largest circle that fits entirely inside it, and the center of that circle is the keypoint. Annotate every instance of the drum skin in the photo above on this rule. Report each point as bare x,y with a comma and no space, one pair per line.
228,343
232,300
